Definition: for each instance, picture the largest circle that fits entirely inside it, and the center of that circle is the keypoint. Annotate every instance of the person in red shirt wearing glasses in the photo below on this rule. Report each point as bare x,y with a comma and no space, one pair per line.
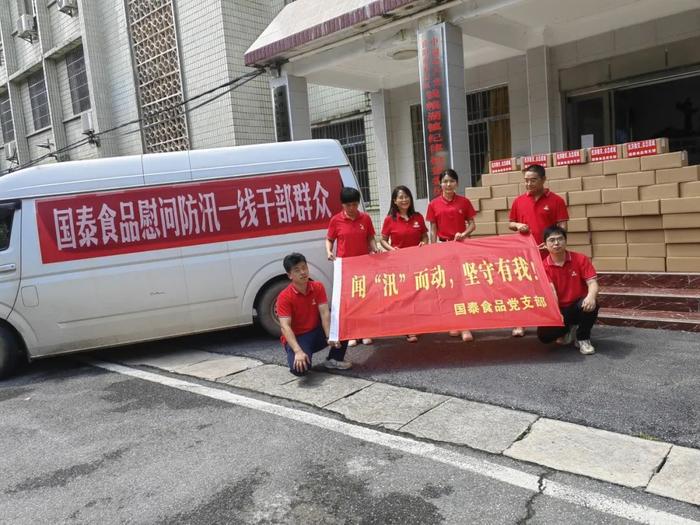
403,227
575,284
352,233
304,317
536,210
451,218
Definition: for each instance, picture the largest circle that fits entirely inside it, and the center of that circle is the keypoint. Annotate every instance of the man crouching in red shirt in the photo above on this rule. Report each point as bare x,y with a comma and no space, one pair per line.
302,308
575,284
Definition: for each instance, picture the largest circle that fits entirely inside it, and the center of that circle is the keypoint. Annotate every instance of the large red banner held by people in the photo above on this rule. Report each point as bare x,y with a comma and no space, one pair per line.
486,283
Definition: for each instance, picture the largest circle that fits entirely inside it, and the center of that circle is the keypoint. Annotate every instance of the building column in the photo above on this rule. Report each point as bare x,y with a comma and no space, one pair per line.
53,96
444,102
543,102
290,104
380,116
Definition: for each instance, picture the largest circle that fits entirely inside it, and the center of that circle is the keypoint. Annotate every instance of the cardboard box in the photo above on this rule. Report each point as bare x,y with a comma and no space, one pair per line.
648,222
618,237
676,159
577,225
503,165
620,194
606,224
603,210
585,249
558,173
485,216
687,174
521,188
478,192
598,183
690,189
581,238
584,197
503,216
492,179
681,205
610,264
510,201
611,167
543,159
610,250
659,191
642,236
577,212
515,177
681,220
601,153
507,190
486,228
572,184
636,178
503,228
682,236
498,203
646,264
476,203
566,158
640,208
590,169
641,148
683,264
684,250
646,249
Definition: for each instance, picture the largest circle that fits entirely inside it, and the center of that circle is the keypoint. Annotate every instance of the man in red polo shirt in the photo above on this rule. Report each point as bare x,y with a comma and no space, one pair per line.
575,284
302,308
352,232
535,210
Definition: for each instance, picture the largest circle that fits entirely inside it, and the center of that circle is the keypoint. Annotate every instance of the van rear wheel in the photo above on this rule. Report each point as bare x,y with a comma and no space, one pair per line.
10,352
267,316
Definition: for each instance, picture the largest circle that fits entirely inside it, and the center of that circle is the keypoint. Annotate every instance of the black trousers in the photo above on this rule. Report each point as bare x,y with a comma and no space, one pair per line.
573,315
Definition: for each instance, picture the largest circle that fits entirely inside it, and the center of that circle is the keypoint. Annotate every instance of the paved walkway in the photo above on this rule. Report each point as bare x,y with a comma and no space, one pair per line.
657,467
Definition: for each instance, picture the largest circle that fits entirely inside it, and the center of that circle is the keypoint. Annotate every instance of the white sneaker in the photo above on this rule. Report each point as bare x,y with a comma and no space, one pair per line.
569,337
352,342
585,347
366,341
333,364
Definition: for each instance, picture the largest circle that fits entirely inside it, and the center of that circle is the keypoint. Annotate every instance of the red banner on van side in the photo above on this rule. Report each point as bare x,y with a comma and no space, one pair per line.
158,217
490,282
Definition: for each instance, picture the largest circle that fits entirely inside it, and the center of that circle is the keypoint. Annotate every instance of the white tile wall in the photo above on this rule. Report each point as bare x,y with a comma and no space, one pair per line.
35,151
28,54
328,103
74,133
63,27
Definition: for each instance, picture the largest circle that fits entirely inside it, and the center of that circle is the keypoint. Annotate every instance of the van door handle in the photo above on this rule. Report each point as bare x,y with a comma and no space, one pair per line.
8,267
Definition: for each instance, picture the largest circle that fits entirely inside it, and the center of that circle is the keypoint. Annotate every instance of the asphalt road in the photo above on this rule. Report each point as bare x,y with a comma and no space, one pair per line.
81,445
640,382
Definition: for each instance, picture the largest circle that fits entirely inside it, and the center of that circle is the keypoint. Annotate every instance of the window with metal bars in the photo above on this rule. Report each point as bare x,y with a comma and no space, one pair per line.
419,171
6,124
39,100
77,81
488,114
351,135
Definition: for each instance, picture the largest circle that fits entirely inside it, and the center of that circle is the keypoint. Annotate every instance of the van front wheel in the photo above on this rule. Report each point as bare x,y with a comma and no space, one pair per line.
267,316
10,352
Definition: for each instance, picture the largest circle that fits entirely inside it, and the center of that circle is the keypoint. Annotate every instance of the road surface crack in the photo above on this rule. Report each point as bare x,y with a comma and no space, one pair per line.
530,503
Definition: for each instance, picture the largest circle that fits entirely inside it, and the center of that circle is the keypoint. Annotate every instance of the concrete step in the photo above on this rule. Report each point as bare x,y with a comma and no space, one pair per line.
645,298
667,320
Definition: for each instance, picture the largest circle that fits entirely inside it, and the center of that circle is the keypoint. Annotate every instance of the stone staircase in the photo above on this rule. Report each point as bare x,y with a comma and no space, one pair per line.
650,300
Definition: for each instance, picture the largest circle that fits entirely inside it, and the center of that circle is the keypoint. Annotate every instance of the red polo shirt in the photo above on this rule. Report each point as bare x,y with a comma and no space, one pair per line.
539,214
570,279
404,232
450,216
353,235
301,308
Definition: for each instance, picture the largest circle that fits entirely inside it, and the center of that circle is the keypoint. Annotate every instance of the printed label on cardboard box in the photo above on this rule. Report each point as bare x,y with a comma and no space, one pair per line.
566,158
530,160
642,148
604,153
501,165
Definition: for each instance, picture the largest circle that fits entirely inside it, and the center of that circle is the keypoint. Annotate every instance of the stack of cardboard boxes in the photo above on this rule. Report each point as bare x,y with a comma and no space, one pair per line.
638,210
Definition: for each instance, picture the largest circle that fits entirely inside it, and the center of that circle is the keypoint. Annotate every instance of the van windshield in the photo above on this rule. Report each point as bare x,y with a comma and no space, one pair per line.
5,228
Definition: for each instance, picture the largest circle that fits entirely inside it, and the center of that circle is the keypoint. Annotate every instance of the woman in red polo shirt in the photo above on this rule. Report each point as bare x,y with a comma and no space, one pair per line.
352,233
403,227
451,218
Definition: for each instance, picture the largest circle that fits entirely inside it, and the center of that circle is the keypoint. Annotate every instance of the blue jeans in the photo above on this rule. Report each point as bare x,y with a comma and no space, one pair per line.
312,342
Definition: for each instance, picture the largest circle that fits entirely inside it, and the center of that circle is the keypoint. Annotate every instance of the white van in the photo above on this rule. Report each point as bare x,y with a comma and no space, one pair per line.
114,251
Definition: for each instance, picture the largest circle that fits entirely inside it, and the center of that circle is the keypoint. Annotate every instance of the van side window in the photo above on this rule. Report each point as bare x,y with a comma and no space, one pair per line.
5,228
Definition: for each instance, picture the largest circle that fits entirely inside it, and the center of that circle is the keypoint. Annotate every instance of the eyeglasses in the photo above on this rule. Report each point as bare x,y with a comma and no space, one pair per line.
555,240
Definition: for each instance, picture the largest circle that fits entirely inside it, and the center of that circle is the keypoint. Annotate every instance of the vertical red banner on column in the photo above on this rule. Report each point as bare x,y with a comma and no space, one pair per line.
436,132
